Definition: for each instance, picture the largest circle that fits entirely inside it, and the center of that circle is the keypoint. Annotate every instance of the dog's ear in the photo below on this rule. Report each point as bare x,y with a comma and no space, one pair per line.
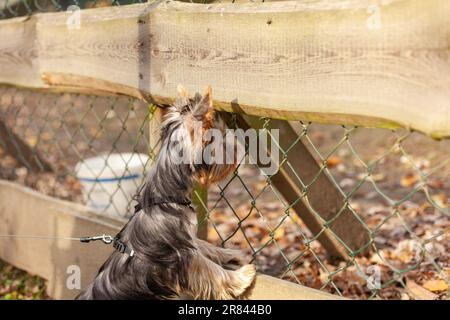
204,109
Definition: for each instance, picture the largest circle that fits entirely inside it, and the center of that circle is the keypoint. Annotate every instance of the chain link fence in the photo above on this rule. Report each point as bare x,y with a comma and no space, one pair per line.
395,182
16,8
49,136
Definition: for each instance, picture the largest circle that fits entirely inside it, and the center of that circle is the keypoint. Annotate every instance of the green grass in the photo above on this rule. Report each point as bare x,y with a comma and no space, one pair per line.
16,284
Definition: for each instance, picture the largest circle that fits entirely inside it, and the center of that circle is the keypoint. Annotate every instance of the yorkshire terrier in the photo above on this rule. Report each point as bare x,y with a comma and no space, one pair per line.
158,255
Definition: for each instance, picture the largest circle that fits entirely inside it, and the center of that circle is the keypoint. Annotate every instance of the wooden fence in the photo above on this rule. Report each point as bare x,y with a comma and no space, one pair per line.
320,61
314,61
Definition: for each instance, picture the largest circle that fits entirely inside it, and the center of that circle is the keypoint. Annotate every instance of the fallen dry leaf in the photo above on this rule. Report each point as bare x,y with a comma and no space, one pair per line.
32,141
441,200
419,293
213,236
278,234
378,177
404,296
436,285
333,161
409,180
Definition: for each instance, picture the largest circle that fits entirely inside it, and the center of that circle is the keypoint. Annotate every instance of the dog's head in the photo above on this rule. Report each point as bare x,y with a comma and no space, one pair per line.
197,136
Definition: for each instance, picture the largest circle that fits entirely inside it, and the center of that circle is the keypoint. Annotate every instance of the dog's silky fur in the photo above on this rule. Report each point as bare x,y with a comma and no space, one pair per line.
170,261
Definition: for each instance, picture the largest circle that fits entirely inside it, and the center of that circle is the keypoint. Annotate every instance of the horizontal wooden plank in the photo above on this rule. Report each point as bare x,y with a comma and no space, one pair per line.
372,63
26,212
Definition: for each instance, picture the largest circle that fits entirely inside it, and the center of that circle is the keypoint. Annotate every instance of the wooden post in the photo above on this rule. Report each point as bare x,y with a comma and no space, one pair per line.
154,127
200,200
322,202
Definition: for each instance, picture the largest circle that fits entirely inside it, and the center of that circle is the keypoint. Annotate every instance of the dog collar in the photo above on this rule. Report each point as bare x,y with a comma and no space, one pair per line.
120,246
157,201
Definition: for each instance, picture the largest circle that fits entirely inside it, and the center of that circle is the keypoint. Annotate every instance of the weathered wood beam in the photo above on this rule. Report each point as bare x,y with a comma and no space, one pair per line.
372,63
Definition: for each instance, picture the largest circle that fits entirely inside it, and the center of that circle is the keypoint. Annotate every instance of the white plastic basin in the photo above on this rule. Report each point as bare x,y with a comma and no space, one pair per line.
109,182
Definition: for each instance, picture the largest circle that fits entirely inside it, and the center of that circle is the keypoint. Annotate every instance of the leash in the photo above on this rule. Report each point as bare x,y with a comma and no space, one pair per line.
46,237
118,244
106,239
170,200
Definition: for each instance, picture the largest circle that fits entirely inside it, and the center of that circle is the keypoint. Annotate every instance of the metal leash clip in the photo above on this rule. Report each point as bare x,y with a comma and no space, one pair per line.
104,238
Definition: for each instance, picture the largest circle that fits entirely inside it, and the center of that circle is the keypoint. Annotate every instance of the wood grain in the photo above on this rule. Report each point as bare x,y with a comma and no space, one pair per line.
316,60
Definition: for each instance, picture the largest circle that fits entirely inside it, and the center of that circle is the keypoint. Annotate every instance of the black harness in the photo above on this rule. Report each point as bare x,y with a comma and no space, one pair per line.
168,200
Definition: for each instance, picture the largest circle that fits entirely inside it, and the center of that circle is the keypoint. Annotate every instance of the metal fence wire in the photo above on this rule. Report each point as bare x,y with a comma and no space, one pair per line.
15,8
395,183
